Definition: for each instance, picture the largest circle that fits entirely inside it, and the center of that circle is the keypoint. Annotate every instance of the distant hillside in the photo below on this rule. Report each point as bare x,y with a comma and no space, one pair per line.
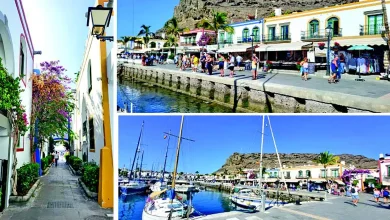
239,161
189,12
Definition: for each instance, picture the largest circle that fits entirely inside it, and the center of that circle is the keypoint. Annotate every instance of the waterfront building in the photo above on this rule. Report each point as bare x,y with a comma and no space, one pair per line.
17,55
241,40
289,38
384,169
189,41
313,173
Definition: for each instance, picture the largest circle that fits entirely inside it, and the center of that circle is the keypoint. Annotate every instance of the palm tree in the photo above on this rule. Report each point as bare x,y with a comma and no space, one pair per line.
326,159
171,41
386,27
145,31
125,40
172,29
218,22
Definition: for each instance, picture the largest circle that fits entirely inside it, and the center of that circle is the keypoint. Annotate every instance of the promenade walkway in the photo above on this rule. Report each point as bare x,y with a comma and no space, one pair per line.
370,88
59,198
335,208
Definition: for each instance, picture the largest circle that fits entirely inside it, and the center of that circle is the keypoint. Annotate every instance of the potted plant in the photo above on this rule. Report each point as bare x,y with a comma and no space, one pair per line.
268,64
336,46
321,46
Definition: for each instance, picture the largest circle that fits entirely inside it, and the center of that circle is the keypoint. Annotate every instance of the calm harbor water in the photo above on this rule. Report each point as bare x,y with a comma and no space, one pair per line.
154,99
205,202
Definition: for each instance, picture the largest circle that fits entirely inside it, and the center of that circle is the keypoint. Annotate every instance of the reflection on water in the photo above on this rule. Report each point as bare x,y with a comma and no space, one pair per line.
204,202
153,99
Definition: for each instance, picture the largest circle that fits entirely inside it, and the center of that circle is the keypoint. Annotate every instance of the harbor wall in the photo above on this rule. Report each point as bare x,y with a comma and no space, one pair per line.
252,96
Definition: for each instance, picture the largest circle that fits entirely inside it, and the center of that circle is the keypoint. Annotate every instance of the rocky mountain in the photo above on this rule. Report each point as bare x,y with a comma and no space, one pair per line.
189,12
239,161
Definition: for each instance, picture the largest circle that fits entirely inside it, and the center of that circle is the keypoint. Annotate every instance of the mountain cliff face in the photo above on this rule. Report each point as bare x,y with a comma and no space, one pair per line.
239,161
188,12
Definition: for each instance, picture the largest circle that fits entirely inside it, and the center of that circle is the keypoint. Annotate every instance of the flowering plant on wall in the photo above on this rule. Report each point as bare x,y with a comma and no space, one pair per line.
321,45
348,175
204,40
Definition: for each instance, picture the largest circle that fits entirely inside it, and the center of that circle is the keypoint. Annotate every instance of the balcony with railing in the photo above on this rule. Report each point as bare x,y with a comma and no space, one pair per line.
319,35
329,176
371,30
248,39
187,44
277,38
228,41
303,177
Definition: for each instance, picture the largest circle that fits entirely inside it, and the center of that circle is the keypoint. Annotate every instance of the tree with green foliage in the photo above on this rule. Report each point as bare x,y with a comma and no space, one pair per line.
145,31
173,31
11,106
218,22
326,159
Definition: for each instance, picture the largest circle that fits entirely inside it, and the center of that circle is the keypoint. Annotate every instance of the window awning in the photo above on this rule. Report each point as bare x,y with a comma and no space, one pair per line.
234,49
361,41
283,46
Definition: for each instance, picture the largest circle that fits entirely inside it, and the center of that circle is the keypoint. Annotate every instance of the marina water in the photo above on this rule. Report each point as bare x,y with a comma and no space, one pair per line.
153,99
205,202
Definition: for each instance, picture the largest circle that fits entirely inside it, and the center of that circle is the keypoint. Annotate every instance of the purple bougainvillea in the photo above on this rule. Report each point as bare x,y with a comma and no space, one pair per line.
348,175
204,40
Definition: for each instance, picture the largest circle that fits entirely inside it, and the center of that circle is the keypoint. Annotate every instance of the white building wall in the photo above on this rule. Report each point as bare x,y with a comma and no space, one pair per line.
238,29
90,102
350,19
14,32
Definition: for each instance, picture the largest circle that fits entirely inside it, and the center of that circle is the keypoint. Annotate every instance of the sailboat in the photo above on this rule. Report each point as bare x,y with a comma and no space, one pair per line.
250,198
135,186
163,205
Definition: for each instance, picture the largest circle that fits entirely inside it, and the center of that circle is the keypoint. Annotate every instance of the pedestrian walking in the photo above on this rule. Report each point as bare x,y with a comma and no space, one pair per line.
377,194
355,195
305,68
231,65
254,67
56,157
385,195
221,65
334,69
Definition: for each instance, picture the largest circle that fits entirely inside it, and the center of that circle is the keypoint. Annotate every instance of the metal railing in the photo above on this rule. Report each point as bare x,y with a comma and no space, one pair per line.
187,44
320,34
328,176
248,39
303,177
277,37
371,29
230,41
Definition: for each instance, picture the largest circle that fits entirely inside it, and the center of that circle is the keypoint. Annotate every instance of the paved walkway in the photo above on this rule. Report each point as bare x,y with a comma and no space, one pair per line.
336,208
369,88
59,198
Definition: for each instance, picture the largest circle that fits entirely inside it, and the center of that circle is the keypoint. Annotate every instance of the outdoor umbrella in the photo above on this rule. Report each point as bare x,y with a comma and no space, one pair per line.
360,48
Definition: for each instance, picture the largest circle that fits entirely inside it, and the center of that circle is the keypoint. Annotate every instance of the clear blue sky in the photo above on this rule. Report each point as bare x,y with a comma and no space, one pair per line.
152,13
217,137
59,30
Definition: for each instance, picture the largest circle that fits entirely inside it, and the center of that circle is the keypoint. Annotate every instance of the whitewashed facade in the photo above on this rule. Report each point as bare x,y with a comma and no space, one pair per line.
242,33
88,116
384,169
17,54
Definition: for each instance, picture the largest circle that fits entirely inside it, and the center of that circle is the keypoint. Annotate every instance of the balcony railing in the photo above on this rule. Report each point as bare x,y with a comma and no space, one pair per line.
248,39
387,177
303,177
278,37
328,176
320,34
225,41
187,44
287,177
371,29
137,48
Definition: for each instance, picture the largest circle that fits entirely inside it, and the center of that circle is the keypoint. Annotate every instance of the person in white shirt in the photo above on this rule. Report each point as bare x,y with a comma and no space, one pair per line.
355,195
56,157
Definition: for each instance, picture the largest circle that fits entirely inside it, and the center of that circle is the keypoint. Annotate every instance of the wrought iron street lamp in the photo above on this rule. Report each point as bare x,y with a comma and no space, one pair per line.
100,17
329,31
252,36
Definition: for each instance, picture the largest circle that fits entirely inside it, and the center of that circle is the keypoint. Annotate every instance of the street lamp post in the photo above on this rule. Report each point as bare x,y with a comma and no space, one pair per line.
252,36
100,19
329,32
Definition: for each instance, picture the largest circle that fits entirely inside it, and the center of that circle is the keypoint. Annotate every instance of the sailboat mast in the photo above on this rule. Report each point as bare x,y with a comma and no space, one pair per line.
261,153
166,155
137,149
140,167
277,154
177,153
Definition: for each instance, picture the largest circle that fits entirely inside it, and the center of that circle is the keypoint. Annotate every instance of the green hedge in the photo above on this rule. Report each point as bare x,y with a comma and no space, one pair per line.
91,176
171,56
75,162
27,176
67,158
46,162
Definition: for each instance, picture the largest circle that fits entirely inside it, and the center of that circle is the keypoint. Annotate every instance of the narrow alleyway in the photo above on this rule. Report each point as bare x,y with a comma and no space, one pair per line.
59,198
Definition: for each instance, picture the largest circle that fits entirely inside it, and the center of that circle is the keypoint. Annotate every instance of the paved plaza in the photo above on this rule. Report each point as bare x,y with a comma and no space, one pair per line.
335,208
370,88
59,198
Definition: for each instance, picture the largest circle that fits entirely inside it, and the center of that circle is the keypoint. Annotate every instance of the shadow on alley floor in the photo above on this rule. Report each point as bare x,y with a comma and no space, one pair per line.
59,197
